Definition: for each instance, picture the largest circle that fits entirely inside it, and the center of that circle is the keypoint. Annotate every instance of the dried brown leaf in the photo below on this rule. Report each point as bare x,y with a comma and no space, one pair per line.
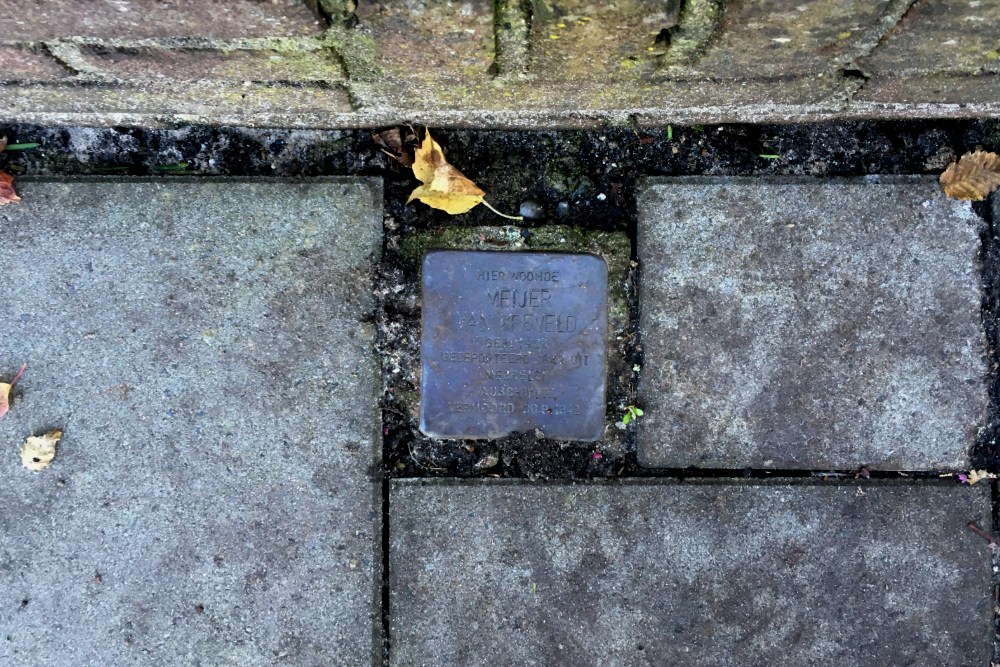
7,194
38,451
973,177
5,388
389,139
397,144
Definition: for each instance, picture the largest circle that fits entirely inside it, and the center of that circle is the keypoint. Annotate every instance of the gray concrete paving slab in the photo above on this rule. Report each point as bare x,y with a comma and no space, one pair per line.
712,574
201,343
809,324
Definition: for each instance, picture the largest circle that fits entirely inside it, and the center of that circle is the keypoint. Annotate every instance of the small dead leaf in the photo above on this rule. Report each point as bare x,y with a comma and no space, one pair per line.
38,451
444,187
979,475
7,194
5,388
973,177
397,144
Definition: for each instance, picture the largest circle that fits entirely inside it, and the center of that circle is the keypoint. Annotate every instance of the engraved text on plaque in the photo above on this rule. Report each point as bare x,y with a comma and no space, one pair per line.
513,341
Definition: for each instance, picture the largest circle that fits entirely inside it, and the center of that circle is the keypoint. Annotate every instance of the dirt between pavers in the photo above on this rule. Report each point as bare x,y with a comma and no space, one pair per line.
408,451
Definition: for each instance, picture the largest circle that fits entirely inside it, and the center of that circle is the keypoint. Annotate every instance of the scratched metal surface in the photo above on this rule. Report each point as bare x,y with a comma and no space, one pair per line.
513,342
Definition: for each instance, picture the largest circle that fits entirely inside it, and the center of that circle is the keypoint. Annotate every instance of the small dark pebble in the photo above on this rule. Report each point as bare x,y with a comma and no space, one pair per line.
531,210
562,209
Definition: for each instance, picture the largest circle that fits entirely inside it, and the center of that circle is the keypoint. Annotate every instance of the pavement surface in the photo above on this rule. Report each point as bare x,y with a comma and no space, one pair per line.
508,64
810,324
710,574
217,499
201,344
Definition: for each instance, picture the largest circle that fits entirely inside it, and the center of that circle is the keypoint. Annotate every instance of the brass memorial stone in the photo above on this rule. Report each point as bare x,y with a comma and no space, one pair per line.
513,342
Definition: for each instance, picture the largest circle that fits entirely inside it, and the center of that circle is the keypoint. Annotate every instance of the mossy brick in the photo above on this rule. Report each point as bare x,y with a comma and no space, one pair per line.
202,344
689,574
810,324
28,65
593,44
143,64
201,102
426,44
961,93
940,38
134,19
787,39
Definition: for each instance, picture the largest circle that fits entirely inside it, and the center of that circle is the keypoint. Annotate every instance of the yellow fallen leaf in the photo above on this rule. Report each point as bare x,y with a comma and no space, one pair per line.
5,388
444,187
973,177
38,451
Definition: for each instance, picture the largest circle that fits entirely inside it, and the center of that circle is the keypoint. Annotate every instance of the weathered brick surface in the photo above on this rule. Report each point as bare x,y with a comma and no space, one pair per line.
594,42
145,64
962,94
783,327
707,575
431,42
218,19
25,64
789,38
560,63
152,103
940,37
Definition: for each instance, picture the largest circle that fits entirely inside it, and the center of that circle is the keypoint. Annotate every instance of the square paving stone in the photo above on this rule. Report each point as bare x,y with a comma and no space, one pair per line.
200,344
809,324
719,575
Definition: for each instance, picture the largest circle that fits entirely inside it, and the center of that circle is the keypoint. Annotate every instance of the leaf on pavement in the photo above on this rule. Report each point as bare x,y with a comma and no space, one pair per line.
7,194
445,187
973,177
38,451
5,388
977,476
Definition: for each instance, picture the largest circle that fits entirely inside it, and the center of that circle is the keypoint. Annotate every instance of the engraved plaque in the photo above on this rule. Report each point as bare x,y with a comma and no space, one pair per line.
513,341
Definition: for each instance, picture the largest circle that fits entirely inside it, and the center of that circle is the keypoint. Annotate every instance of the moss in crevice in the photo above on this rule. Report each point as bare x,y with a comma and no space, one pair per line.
357,50
699,19
512,29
